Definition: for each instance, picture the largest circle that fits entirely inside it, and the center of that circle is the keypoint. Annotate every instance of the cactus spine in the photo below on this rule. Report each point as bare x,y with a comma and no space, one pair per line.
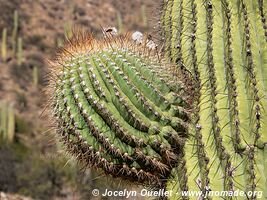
223,44
119,109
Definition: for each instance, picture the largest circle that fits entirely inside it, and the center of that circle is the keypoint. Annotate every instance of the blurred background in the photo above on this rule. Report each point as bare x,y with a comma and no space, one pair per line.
32,164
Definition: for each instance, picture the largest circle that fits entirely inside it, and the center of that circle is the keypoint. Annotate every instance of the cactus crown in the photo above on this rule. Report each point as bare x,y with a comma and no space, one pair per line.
119,108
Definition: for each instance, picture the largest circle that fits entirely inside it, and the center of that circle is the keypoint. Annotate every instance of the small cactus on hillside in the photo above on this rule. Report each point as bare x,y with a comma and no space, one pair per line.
20,51
119,108
7,123
223,43
4,45
35,76
15,31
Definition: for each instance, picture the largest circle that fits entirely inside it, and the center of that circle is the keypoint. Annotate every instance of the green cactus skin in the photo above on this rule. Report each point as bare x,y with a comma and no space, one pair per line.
223,43
119,109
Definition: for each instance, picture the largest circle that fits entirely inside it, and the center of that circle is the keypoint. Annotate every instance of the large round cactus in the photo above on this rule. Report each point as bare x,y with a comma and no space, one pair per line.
120,108
224,44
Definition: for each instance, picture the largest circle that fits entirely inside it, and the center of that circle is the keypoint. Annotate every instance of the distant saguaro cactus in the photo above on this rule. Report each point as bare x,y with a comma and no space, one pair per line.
4,45
119,108
15,31
223,44
35,76
20,51
7,122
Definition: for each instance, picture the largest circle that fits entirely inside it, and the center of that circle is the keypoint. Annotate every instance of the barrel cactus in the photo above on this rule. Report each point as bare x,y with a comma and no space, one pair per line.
224,44
120,107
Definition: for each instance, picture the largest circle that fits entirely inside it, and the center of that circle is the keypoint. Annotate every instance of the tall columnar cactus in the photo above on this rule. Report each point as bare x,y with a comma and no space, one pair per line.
119,22
4,45
15,31
20,51
224,44
35,76
7,122
144,15
119,108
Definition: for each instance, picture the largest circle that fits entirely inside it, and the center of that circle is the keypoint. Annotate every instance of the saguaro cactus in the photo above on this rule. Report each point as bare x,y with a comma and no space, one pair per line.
119,109
7,122
20,51
15,31
223,43
4,45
